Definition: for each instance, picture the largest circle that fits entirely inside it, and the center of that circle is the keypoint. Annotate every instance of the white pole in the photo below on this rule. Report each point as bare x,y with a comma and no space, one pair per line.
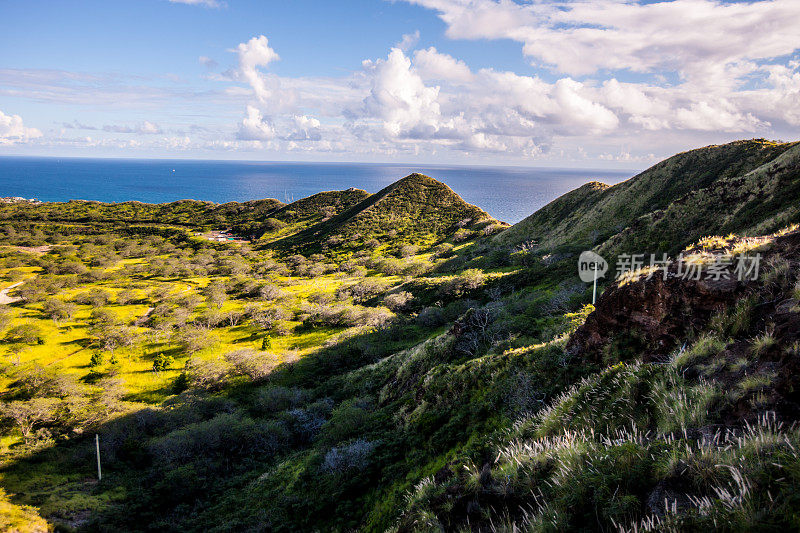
97,445
594,289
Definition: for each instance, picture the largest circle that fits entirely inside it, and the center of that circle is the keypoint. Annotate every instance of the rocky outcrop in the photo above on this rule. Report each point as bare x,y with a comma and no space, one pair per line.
649,316
652,314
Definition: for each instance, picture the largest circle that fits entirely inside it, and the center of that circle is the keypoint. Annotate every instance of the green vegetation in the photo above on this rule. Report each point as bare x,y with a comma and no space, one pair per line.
401,361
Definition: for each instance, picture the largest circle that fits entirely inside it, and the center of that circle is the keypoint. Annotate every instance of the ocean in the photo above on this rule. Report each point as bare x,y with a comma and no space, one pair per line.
507,193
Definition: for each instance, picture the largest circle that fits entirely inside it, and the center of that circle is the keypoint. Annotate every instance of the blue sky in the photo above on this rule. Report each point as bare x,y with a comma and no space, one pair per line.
615,83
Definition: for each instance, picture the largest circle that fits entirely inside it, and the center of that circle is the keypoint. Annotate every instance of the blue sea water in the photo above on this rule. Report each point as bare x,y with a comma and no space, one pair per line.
507,193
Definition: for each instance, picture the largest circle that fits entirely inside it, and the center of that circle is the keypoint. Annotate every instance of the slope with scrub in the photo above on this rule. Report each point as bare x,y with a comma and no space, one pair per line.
392,362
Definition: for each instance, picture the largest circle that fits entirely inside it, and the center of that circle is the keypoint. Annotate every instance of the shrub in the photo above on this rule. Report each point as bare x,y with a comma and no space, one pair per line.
29,334
398,301
126,296
96,360
308,421
13,275
353,456
443,250
206,374
162,362
58,310
431,317
275,399
224,436
462,235
493,228
5,318
467,281
273,224
94,297
408,250
70,267
390,266
364,289
250,363
193,340
347,421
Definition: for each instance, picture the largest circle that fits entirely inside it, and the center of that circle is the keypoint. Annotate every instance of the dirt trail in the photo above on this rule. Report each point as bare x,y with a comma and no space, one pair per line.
143,318
38,250
5,298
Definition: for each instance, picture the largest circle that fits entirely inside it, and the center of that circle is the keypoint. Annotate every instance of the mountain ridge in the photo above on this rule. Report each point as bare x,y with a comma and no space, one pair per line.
598,216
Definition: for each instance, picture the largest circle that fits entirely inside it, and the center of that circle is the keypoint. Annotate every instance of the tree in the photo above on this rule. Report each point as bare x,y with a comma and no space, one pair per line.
111,392
36,380
398,301
206,374
58,310
103,317
27,415
250,363
25,334
96,360
162,362
210,319
215,293
32,292
94,297
234,317
193,339
266,318
126,296
5,318
112,336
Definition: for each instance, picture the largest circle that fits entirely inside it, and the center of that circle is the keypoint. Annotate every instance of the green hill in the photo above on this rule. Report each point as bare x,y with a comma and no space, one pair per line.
386,362
191,213
595,212
302,214
415,210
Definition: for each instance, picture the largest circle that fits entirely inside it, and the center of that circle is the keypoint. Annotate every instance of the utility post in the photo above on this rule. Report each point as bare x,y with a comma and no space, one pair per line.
591,266
97,446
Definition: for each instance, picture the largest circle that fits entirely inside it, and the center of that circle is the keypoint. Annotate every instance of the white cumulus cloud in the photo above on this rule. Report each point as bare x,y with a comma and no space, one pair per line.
254,127
432,65
408,41
13,131
582,37
400,98
253,54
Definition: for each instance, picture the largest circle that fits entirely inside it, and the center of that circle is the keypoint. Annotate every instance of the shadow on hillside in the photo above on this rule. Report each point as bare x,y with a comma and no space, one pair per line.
131,461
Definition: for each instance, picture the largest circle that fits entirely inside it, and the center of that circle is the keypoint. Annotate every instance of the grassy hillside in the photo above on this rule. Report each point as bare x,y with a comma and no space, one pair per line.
400,362
415,210
758,201
307,212
190,213
595,212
